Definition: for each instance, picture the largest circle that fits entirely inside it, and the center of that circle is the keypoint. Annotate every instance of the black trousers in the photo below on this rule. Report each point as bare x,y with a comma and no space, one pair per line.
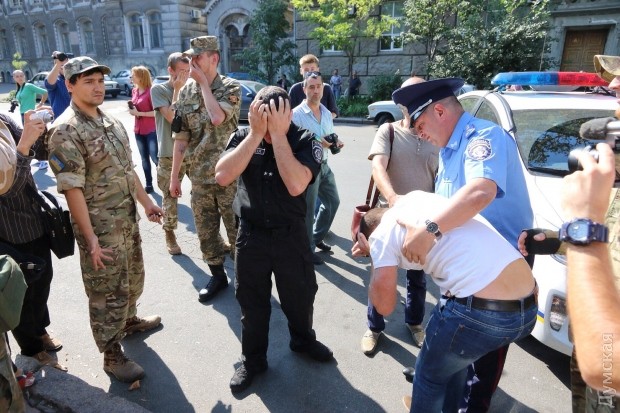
35,315
285,252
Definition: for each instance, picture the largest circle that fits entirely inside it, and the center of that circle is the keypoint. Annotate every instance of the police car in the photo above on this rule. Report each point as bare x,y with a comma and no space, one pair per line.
545,123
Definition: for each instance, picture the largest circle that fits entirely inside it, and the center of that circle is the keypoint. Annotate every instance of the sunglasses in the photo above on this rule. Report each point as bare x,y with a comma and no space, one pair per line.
313,75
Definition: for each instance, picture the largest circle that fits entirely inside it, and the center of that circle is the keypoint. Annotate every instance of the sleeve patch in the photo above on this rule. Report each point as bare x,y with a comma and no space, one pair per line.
317,151
479,149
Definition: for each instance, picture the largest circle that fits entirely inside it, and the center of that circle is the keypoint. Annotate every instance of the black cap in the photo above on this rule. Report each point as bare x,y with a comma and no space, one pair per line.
417,97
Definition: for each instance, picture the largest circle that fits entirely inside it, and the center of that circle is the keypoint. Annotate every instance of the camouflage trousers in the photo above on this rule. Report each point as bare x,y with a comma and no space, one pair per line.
587,399
113,292
11,397
169,203
210,203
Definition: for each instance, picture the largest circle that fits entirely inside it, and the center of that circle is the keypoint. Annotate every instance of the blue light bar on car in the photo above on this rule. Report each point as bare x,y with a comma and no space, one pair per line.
548,78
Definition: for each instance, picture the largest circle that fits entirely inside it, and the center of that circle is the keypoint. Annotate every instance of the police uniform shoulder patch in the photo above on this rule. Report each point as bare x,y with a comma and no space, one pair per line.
317,151
479,149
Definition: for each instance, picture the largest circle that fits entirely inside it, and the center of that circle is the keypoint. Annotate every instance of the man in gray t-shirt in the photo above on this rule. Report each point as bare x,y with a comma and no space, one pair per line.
163,96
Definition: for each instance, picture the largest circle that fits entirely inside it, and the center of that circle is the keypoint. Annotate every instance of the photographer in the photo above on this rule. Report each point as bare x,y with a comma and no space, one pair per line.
593,302
55,83
312,115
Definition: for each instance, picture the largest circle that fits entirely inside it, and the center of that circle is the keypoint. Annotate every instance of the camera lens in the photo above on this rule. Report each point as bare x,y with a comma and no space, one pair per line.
573,157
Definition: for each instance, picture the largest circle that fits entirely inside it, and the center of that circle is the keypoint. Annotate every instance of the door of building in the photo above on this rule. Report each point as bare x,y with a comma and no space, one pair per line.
580,46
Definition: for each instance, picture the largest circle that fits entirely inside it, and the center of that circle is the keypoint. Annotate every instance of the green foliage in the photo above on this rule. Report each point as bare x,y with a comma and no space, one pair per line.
341,23
475,39
381,87
270,49
17,63
356,106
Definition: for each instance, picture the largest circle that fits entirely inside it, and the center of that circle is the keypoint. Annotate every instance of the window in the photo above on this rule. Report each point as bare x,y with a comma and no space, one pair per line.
15,3
36,2
4,45
88,37
137,32
41,40
21,40
391,39
156,30
331,49
104,34
62,36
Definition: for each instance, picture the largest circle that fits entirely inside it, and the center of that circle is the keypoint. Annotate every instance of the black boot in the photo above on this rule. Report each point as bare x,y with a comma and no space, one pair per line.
218,282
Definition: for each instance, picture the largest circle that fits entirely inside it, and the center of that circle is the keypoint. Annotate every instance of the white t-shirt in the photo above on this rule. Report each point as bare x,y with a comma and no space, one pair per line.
463,262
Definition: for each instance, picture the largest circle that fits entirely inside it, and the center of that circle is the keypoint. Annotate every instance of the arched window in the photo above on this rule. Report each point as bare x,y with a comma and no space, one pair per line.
5,53
21,40
137,32
62,36
156,30
88,37
41,40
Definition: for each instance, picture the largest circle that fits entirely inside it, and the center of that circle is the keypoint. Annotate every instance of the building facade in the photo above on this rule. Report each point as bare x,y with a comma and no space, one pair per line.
118,33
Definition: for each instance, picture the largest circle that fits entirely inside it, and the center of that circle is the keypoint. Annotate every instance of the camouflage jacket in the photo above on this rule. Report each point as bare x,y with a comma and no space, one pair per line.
206,142
94,155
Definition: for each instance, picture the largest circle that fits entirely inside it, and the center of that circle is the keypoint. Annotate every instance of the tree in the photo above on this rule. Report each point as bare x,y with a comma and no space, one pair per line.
18,63
270,49
342,23
504,35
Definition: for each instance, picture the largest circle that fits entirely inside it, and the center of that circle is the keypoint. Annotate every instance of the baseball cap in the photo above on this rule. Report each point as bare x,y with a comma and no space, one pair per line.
607,67
202,44
82,64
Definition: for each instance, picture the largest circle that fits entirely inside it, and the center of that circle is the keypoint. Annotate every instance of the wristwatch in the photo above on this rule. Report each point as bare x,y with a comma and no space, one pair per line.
433,228
581,231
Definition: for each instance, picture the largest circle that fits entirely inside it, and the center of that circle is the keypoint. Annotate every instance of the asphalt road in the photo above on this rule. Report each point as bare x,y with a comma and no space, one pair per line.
191,358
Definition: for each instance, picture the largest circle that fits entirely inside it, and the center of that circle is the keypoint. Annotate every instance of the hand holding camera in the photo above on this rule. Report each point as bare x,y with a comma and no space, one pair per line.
43,114
62,56
335,144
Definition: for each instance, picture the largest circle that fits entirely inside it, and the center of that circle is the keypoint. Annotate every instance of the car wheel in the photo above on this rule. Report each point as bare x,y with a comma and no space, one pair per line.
383,118
127,90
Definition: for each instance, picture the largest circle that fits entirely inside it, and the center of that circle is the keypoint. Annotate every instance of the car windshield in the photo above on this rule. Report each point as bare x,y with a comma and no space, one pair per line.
254,86
546,136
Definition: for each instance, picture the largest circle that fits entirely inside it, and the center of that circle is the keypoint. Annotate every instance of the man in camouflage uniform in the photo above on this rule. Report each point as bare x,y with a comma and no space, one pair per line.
209,107
90,156
586,399
163,96
11,398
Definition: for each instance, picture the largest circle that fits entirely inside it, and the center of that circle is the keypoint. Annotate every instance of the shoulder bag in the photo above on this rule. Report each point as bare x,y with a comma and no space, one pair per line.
371,199
57,223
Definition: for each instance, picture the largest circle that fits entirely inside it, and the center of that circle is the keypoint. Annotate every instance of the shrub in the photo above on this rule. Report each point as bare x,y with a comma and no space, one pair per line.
354,107
381,87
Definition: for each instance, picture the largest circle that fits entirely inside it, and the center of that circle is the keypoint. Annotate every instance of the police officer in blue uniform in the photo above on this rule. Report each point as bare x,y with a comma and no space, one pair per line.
480,171
274,162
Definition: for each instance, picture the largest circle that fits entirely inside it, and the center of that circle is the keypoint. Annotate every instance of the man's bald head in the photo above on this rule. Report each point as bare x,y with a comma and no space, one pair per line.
414,80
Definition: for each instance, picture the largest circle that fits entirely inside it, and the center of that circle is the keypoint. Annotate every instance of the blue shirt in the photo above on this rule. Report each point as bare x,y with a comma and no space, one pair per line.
305,119
58,95
482,149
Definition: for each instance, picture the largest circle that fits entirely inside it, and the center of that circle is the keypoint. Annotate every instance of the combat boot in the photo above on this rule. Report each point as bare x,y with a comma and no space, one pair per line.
116,364
171,243
218,282
136,323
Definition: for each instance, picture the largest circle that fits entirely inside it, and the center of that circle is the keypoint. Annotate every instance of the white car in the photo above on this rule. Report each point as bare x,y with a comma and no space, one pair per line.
546,128
387,111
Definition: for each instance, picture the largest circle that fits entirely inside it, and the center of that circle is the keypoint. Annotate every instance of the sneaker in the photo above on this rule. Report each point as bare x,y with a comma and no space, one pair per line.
50,343
315,350
116,364
409,373
45,359
417,334
43,165
370,339
136,323
171,243
243,377
407,402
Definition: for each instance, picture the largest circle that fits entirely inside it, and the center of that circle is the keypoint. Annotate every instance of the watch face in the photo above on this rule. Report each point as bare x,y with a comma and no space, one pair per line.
432,227
578,231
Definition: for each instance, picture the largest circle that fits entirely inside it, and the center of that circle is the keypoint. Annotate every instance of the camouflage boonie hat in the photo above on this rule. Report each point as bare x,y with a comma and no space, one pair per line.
607,67
81,64
8,159
202,44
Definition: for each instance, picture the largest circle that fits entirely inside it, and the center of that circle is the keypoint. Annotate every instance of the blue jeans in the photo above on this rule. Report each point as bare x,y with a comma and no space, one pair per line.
324,187
147,146
456,336
414,304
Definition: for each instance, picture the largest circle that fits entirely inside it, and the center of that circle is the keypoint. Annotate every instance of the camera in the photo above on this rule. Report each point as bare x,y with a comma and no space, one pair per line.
14,104
130,104
601,129
63,56
44,115
332,138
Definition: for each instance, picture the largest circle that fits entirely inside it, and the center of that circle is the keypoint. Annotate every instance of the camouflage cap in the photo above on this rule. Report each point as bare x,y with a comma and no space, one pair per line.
607,67
81,64
202,44
8,159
